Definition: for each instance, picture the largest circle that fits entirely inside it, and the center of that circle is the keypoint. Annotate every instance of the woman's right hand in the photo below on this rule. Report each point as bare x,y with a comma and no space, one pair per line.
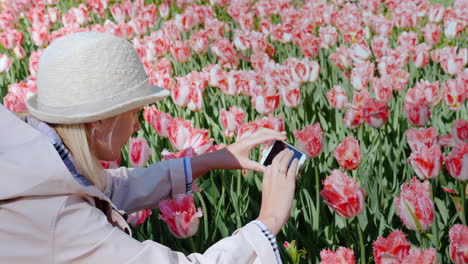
278,191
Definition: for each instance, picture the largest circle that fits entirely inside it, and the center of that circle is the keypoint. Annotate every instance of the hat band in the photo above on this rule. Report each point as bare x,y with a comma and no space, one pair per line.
98,105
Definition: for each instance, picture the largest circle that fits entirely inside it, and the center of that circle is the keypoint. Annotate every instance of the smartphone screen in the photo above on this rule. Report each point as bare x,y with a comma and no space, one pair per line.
279,146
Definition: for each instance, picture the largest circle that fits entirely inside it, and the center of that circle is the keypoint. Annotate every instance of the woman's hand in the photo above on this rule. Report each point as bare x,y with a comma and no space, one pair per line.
240,150
236,155
278,187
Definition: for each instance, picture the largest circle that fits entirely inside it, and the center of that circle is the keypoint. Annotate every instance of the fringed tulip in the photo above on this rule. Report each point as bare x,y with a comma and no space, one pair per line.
421,137
137,218
310,139
426,162
348,154
421,256
337,97
392,249
460,130
458,235
139,152
342,256
457,161
181,216
231,120
343,194
415,207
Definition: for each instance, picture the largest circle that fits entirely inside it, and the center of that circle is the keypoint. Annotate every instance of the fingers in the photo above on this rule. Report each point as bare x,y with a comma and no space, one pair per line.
281,161
255,166
292,171
264,135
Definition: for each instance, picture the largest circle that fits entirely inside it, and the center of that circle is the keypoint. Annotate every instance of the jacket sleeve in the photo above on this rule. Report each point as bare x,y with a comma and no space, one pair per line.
82,234
133,189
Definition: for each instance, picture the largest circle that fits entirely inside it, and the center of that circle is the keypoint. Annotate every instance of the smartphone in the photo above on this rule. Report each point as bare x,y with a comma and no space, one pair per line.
274,149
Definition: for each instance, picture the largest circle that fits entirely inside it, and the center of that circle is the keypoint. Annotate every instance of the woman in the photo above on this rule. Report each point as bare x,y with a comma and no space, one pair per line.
58,205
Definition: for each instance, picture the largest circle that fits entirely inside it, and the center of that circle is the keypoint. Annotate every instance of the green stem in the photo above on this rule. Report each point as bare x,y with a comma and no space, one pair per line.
361,242
317,195
192,245
462,201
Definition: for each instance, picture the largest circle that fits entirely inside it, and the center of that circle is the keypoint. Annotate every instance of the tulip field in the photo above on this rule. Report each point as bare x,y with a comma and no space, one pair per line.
374,92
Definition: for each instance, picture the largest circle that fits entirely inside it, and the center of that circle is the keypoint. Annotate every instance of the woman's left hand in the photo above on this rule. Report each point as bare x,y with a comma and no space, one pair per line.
240,150
236,155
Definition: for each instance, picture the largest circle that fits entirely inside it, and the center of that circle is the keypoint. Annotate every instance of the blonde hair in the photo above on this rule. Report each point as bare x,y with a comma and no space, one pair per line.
77,140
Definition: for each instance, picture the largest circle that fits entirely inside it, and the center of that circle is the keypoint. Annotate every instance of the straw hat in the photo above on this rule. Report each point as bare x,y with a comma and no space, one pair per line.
89,76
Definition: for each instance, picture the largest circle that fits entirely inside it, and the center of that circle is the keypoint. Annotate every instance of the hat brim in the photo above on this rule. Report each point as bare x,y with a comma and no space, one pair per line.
93,111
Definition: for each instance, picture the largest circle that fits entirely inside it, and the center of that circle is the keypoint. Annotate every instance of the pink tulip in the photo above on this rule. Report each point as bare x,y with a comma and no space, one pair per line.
181,216
460,130
188,152
421,138
392,249
118,13
139,26
417,114
138,218
341,58
451,63
361,74
298,71
158,120
383,26
231,120
269,122
328,37
180,51
164,10
353,118
405,15
15,100
348,154
421,256
199,41
375,113
415,206
457,162
408,39
5,63
97,6
360,51
139,152
19,52
453,91
227,55
426,162
337,97
421,55
40,35
11,38
110,164
383,88
53,14
291,95
436,13
431,34
458,235
400,79
265,100
343,194
379,46
183,135
310,139
342,255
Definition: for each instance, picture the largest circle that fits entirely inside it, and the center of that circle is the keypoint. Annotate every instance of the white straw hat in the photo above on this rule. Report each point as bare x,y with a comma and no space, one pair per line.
89,76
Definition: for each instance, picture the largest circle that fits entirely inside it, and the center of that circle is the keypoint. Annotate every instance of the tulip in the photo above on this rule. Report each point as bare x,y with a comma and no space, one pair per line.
436,13
188,152
457,162
421,55
460,130
328,37
139,152
375,112
379,46
19,52
137,218
417,114
342,255
231,120
181,216
341,58
199,41
295,253
353,118
158,120
421,256
458,235
5,63
310,139
454,95
337,97
291,95
392,249
431,34
415,206
180,51
269,122
383,88
360,51
426,162
408,39
361,74
348,154
110,164
421,137
343,194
